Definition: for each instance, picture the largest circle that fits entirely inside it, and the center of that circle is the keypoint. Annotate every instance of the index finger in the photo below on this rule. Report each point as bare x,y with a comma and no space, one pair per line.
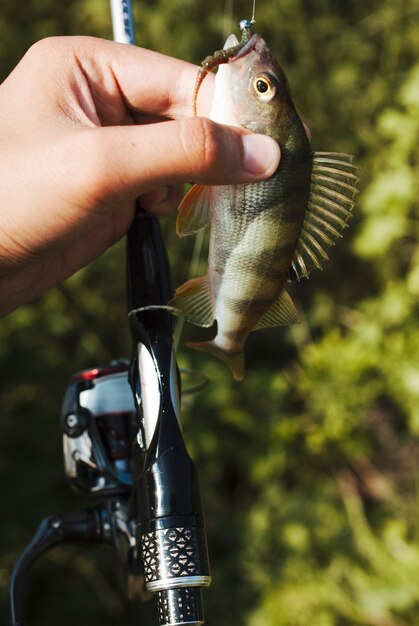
149,82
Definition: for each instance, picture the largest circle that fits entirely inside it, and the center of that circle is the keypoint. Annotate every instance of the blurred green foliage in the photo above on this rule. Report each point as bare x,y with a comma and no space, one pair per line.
310,467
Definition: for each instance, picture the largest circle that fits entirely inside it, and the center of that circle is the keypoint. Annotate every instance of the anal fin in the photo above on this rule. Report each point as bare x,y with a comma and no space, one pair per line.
281,313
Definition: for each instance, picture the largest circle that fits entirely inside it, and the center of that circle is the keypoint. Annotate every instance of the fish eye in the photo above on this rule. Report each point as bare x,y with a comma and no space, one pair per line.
264,87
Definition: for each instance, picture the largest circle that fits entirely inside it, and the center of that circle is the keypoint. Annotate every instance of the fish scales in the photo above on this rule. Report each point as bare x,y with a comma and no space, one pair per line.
252,246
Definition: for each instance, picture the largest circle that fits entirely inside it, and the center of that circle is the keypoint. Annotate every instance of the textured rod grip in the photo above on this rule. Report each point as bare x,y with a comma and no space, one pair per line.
180,607
175,558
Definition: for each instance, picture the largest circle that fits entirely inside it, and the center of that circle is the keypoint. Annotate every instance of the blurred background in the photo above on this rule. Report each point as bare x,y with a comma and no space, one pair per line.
309,468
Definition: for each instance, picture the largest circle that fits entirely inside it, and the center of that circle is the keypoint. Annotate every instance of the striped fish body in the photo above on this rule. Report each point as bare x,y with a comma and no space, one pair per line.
260,230
254,233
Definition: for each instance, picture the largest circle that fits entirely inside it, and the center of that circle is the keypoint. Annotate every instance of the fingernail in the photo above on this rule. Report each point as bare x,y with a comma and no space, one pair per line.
261,155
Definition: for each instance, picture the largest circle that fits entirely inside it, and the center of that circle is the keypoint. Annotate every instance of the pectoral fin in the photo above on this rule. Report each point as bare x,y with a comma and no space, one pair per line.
333,187
193,302
194,210
281,313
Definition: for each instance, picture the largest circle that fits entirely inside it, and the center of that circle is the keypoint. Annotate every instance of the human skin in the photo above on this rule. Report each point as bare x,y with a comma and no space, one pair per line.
86,127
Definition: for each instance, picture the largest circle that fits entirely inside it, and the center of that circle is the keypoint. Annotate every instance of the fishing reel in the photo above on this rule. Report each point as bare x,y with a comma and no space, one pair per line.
99,423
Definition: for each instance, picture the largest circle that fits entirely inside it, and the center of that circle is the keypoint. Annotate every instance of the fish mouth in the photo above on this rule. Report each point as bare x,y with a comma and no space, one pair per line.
249,46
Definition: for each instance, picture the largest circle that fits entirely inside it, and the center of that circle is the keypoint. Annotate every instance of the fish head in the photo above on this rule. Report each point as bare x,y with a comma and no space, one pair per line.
251,90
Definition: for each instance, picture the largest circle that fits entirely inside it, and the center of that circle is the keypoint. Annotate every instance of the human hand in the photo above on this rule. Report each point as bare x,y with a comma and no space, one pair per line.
87,126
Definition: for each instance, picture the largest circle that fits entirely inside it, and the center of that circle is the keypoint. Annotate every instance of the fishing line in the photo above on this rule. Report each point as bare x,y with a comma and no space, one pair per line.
193,270
253,12
203,379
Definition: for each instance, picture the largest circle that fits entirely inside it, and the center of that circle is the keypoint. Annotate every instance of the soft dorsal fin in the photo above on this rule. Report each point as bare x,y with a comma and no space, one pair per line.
194,210
333,187
193,302
281,313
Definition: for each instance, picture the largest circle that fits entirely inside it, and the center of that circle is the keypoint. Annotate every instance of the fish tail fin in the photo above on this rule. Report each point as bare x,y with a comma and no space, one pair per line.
234,360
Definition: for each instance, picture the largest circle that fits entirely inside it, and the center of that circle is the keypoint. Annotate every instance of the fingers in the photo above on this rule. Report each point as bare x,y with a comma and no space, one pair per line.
168,83
87,78
149,82
134,160
162,201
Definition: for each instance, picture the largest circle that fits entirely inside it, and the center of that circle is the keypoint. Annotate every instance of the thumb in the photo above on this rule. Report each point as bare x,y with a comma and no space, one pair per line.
136,159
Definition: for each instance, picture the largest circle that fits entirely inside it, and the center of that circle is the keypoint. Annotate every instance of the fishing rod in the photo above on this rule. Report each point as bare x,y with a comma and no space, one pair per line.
124,448
171,533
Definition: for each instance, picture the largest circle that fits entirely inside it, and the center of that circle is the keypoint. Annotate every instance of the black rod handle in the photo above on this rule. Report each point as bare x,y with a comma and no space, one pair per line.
171,529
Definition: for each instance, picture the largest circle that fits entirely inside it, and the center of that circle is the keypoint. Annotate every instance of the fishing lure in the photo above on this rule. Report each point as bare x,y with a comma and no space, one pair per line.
212,61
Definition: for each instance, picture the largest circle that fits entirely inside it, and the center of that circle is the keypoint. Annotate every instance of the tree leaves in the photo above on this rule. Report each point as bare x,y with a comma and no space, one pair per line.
309,467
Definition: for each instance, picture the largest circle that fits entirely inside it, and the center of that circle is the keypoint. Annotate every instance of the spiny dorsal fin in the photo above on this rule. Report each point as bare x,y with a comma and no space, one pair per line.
194,211
281,313
333,187
193,302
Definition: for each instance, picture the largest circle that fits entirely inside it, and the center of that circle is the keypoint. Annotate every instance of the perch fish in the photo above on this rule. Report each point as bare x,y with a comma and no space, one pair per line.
259,231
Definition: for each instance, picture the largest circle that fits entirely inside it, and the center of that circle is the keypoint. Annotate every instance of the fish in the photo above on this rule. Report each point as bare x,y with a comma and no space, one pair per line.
266,233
